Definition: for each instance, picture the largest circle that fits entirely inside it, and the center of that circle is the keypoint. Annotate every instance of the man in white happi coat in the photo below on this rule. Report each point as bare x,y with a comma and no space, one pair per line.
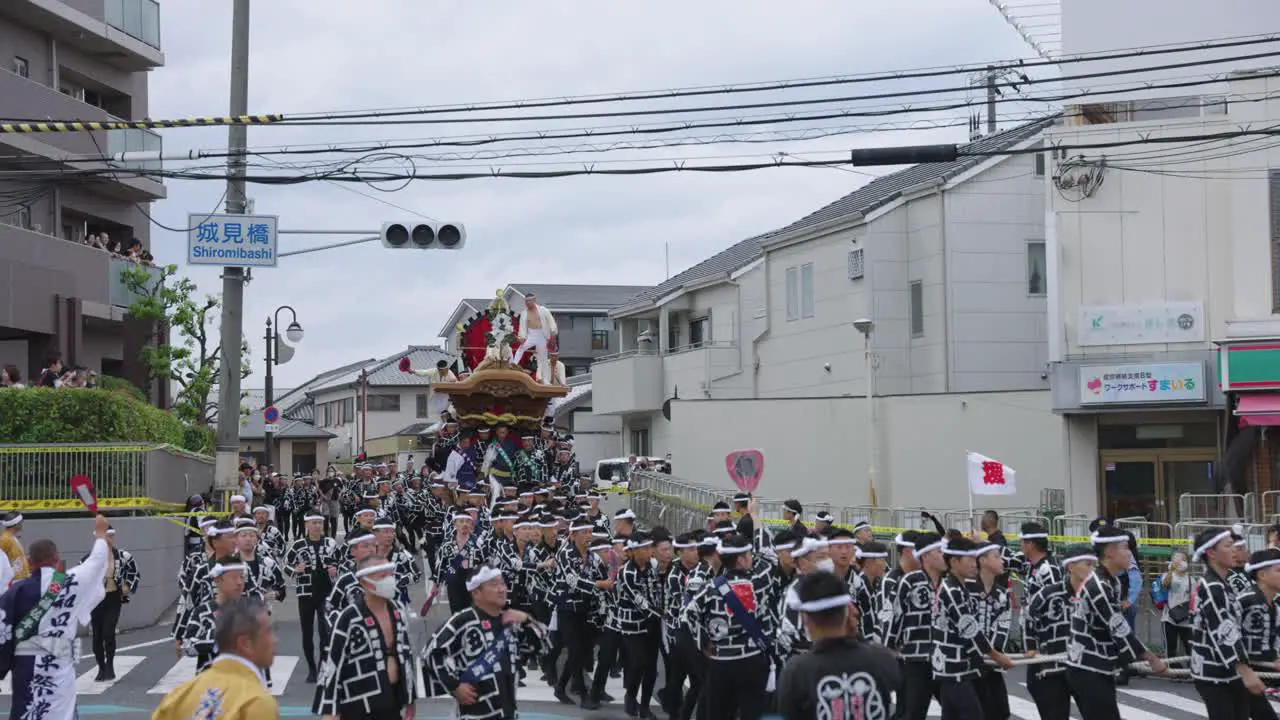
538,331
39,617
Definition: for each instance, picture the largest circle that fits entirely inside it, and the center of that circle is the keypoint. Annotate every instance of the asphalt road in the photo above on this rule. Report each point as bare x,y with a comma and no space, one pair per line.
147,667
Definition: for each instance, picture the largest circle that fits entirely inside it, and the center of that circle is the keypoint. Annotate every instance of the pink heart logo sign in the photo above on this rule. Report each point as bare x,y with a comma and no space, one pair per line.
82,486
745,467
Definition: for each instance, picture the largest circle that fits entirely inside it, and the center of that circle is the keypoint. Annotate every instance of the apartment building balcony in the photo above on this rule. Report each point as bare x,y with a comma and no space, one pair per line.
42,101
123,33
691,371
34,268
628,382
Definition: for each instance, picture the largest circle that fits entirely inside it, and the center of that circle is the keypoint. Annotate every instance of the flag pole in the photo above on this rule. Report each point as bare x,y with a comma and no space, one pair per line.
968,485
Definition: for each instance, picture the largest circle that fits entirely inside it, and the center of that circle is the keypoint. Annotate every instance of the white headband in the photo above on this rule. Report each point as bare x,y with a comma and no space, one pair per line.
374,569
824,516
525,524
1242,542
1096,539
17,520
946,550
360,538
262,508
734,550
1034,536
237,498
683,546
207,522
111,531
625,515
930,548
1080,558
309,518
576,528
220,570
816,606
780,546
366,511
484,575
807,546
861,555
550,524
632,545
384,525
1253,567
1212,541
248,528
897,540
842,541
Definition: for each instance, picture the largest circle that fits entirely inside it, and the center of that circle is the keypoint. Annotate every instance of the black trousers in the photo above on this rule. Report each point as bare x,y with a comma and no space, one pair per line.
575,632
695,664
284,522
299,523
736,688
331,526
1260,708
311,613
994,695
641,671
1225,701
1095,694
1051,694
1177,639
960,699
610,643
102,622
676,670
918,687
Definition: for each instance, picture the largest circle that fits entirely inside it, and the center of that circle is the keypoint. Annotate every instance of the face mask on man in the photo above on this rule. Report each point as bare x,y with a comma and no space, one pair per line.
385,587
825,565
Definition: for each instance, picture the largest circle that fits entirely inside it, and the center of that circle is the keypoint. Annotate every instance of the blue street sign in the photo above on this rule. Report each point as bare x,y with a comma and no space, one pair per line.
271,415
247,241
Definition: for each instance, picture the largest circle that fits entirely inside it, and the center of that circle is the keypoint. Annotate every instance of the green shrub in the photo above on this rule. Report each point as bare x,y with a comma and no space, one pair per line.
198,439
120,385
43,415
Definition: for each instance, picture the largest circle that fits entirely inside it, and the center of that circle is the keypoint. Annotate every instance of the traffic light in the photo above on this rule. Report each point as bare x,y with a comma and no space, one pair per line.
421,235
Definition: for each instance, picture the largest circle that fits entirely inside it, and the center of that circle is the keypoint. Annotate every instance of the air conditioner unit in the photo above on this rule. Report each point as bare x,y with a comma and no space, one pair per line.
856,268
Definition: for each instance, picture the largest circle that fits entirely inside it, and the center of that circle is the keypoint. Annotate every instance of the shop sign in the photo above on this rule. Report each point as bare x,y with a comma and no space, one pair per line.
1246,366
1159,323
1146,384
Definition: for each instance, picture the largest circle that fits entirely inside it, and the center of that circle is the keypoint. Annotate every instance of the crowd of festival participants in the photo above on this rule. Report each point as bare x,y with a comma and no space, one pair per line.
744,620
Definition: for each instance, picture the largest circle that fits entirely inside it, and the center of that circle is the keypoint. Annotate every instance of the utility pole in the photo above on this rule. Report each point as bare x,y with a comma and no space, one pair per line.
226,467
992,77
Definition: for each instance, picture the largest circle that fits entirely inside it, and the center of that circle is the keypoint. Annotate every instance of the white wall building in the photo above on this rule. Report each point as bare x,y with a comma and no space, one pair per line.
947,259
1157,253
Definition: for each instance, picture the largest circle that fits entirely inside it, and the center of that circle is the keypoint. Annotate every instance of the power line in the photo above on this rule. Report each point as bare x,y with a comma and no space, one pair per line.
866,157
768,86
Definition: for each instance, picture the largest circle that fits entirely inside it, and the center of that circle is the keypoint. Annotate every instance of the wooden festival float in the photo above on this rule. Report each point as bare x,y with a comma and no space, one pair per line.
496,392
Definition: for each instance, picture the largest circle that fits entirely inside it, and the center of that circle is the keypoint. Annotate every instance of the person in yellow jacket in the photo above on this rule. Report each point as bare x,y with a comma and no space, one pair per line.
10,531
233,687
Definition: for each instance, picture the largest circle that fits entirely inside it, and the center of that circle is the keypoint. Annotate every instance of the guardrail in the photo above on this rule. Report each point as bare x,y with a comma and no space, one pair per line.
125,475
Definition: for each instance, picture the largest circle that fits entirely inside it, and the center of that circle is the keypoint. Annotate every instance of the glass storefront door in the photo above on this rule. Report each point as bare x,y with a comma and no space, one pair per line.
1148,483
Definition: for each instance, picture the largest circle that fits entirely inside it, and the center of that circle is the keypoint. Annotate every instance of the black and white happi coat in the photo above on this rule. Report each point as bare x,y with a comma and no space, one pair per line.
709,620
195,587
346,591
199,635
1047,618
1101,639
1238,581
408,571
354,671
995,613
960,646
467,637
911,629
271,541
868,598
263,579
1259,627
792,639
637,598
1216,641
315,558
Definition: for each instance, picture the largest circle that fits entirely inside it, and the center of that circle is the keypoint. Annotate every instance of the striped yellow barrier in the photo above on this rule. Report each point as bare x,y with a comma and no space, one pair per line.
125,503
98,126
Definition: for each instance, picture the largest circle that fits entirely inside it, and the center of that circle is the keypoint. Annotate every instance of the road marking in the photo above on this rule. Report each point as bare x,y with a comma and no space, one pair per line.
281,669
1159,697
538,691
145,644
182,671
86,685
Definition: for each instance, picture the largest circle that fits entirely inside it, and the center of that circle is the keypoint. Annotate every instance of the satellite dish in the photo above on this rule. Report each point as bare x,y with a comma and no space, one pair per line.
666,410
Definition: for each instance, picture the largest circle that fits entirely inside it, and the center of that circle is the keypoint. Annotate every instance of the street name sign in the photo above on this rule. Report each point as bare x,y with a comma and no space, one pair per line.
246,241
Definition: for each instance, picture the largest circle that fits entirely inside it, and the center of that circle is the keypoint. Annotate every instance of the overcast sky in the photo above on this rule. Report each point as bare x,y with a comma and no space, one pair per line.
320,55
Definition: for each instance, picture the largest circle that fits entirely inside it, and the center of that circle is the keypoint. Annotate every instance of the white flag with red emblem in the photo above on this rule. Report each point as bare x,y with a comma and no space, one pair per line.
990,477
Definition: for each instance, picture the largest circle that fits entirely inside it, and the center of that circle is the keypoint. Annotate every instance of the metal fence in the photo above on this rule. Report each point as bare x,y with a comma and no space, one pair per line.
36,478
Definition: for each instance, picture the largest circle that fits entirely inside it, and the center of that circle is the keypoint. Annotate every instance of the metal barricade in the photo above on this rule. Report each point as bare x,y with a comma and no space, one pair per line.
128,475
1072,525
1010,522
1269,505
1221,508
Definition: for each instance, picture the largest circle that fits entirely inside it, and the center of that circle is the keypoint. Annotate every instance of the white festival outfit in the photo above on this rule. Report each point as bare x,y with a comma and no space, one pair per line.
536,338
44,665
437,403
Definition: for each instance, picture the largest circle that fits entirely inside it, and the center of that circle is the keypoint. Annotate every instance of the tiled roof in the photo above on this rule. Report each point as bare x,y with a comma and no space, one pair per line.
590,297
295,403
578,394
256,398
386,372
875,194
414,430
251,428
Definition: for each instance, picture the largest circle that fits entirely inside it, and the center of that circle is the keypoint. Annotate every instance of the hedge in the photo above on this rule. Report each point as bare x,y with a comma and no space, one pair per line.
82,415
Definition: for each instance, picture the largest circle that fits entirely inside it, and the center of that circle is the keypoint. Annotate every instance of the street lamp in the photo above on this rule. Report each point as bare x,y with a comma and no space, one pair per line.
866,327
278,353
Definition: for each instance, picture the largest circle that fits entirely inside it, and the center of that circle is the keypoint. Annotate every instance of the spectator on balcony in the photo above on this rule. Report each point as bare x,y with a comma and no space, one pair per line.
51,376
96,240
11,376
111,245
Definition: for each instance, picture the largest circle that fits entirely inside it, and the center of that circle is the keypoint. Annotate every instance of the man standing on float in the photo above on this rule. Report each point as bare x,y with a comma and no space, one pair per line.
538,331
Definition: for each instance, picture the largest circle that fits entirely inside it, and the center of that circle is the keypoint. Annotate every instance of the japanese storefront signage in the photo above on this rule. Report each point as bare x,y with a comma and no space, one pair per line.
1147,384
1177,322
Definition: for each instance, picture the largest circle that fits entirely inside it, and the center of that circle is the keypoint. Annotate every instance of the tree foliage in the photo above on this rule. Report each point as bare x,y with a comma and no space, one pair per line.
187,347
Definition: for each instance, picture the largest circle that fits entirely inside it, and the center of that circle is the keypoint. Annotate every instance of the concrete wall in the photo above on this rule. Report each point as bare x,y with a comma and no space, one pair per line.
156,545
382,423
595,437
816,448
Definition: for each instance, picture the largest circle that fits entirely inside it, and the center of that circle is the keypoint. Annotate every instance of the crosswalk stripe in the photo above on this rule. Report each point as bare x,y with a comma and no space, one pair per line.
281,668
1159,697
182,671
1129,712
86,685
